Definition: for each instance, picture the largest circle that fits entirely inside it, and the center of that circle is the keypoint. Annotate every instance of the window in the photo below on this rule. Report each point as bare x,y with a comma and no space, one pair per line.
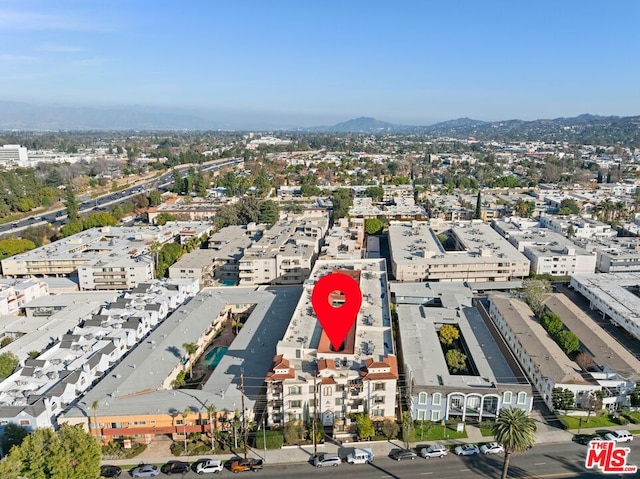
378,387
378,412
339,388
339,415
437,397
435,415
378,400
522,397
506,397
421,415
422,398
311,389
327,391
339,401
295,404
179,422
25,422
295,390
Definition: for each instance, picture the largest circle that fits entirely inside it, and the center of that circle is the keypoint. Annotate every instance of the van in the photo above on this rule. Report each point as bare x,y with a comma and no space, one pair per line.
621,435
324,460
360,456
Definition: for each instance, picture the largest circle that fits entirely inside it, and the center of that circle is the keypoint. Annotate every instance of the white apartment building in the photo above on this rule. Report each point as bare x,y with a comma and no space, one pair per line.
104,258
472,251
583,228
615,295
286,252
12,156
622,256
345,240
15,293
360,377
545,364
492,380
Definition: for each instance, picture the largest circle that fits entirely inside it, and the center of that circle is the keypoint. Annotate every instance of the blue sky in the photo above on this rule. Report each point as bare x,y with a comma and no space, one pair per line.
320,62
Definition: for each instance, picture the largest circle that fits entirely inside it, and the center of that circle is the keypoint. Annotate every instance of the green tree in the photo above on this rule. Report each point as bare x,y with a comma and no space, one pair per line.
448,334
262,182
569,206
294,432
269,212
94,407
12,435
191,349
551,322
568,341
10,467
456,361
101,218
8,364
71,204
390,428
562,398
634,397
478,213
308,190
71,228
373,226
169,254
163,218
364,425
13,246
341,203
70,453
226,215
535,291
516,431
155,198
212,410
376,193
141,202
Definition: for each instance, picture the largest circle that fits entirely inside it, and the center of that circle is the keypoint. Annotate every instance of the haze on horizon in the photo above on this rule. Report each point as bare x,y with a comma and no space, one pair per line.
316,63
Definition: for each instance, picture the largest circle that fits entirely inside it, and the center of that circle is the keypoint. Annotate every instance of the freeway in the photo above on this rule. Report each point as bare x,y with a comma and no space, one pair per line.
543,461
161,183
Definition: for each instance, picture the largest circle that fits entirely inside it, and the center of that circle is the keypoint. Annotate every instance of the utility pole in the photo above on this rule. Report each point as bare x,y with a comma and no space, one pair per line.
244,419
315,414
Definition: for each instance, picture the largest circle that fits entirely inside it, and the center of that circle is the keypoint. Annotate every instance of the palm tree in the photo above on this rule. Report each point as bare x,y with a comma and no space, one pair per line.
94,406
191,349
236,324
185,413
515,430
211,409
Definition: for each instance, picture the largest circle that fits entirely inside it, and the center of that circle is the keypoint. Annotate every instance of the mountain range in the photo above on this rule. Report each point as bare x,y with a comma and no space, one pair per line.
585,128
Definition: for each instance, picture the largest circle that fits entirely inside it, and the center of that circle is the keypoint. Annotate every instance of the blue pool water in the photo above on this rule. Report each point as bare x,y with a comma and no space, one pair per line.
214,356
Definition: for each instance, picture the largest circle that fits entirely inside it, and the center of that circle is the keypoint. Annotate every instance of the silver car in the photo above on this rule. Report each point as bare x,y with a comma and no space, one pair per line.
437,450
145,470
467,450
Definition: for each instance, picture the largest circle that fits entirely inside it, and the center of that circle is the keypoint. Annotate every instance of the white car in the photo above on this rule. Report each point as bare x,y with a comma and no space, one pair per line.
145,470
619,436
209,466
491,448
467,450
437,450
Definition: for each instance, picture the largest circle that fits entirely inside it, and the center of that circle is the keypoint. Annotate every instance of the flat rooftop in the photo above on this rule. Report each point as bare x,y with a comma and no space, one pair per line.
604,349
422,309
135,385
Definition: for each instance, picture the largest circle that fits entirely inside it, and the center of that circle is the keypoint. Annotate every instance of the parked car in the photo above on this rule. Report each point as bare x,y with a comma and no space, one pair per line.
437,450
491,448
620,435
243,465
175,467
208,466
585,439
110,471
325,460
145,470
360,456
467,450
400,454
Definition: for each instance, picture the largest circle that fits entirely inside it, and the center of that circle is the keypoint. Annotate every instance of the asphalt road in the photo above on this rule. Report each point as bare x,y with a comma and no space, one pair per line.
161,183
544,461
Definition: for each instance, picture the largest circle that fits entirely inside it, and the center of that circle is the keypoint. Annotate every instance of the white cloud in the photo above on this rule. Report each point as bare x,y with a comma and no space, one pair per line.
10,58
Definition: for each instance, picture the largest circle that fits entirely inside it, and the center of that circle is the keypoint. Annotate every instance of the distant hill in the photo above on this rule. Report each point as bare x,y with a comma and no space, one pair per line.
364,124
585,128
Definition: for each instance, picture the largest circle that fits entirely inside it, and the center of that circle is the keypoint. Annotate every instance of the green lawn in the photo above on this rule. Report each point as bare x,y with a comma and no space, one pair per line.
573,422
486,431
435,432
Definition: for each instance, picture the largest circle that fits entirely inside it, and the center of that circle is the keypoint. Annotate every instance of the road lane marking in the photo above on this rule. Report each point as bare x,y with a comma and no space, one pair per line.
425,473
539,463
464,470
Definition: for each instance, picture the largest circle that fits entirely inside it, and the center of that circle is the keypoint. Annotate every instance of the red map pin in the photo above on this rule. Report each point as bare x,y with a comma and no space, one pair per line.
336,320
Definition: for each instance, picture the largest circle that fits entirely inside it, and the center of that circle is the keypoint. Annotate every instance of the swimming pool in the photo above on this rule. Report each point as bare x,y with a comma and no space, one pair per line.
213,357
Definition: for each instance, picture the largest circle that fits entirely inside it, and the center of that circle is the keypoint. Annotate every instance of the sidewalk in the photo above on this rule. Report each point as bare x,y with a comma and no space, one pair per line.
300,454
